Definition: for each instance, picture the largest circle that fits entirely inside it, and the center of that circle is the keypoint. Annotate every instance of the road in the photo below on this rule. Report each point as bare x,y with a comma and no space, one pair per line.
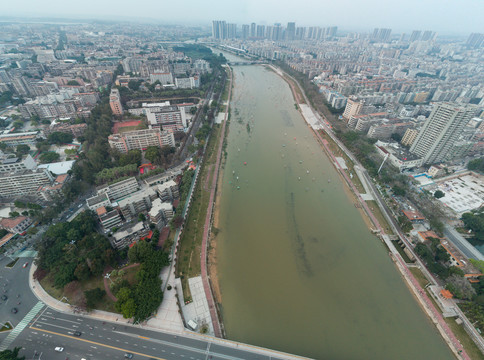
462,244
15,285
101,340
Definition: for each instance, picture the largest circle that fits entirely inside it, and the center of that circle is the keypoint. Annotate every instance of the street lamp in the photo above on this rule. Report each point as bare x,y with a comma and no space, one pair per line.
108,276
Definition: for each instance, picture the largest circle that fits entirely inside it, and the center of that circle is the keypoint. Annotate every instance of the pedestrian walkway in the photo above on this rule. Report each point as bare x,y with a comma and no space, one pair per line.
197,310
26,254
167,316
22,325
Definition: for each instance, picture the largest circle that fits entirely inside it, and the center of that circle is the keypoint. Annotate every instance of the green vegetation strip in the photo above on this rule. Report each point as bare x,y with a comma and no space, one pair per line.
12,263
375,209
188,262
469,346
6,327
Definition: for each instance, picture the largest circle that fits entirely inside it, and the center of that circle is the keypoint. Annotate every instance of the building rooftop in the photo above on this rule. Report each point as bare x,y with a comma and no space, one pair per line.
463,193
11,223
58,168
413,215
128,231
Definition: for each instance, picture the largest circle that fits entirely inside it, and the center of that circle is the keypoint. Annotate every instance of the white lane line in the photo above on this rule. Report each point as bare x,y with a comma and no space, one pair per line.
58,326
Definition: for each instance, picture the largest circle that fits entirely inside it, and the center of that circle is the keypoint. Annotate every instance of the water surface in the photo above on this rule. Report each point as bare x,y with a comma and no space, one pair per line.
299,270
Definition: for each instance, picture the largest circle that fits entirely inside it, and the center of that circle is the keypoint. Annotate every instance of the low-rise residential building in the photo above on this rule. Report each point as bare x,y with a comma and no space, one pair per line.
48,192
141,139
399,157
170,118
167,191
13,164
187,83
136,203
108,219
17,225
120,189
160,213
163,177
128,235
75,129
26,182
98,201
25,138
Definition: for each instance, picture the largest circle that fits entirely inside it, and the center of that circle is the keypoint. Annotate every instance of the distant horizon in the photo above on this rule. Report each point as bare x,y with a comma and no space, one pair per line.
70,19
447,18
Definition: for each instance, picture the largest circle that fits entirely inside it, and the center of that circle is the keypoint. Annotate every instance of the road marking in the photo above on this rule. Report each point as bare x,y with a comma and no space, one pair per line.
21,326
49,324
99,344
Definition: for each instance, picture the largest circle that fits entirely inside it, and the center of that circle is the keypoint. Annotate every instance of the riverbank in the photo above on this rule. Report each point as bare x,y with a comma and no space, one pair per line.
423,300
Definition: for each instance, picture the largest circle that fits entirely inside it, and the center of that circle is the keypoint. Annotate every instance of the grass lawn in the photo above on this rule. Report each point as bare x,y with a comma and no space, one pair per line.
469,346
189,252
419,275
126,129
375,209
402,253
6,327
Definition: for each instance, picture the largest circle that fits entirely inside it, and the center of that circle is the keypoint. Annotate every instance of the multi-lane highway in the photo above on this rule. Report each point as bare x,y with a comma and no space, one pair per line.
102,340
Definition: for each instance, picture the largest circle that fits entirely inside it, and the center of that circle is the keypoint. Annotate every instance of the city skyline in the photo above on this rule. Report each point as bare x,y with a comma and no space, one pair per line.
453,18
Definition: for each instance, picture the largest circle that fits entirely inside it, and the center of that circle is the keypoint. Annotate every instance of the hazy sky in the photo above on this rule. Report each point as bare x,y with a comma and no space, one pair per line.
444,16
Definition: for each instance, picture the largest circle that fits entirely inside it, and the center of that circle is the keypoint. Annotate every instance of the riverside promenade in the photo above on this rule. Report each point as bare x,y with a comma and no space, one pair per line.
421,295
208,221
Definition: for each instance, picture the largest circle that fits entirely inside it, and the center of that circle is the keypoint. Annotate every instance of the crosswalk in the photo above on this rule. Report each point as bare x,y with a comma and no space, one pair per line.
26,253
22,325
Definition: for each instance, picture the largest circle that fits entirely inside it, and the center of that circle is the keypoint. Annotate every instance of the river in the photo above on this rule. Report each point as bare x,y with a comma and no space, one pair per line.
299,271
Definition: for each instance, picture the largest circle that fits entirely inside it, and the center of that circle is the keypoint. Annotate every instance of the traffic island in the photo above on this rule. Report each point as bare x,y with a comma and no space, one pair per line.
6,327
12,263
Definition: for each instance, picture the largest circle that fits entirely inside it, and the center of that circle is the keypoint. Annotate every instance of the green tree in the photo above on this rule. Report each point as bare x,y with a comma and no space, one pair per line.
22,149
11,354
128,308
82,272
49,157
153,154
476,165
398,190
474,221
439,194
134,85
60,138
93,296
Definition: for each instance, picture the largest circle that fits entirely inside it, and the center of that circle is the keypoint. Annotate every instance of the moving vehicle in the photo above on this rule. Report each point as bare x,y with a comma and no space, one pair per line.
77,333
128,355
25,265
14,310
59,349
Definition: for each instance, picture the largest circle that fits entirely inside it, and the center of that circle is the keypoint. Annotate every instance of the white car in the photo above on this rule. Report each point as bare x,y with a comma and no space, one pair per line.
59,349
